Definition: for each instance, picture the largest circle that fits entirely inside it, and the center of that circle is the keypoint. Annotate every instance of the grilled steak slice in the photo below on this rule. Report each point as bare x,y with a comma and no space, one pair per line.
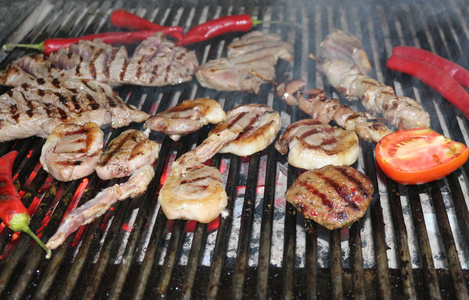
312,145
254,51
126,153
332,196
187,117
36,108
197,193
315,103
92,209
260,125
155,62
344,46
72,151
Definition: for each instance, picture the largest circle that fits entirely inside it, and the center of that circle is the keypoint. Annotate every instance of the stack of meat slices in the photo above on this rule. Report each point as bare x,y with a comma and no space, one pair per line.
255,52
155,62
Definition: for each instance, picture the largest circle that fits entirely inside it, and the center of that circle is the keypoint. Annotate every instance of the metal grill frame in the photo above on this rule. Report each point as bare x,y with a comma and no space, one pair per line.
102,260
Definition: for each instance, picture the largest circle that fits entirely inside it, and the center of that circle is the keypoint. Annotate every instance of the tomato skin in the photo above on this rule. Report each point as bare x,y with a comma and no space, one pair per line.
419,155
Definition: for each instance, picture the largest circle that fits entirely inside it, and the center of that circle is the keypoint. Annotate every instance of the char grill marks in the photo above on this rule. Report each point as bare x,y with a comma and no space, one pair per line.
155,62
343,197
36,108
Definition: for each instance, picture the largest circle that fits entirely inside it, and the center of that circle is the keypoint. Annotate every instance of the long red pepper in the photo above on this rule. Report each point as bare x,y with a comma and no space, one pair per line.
50,45
454,70
436,78
124,19
220,26
12,211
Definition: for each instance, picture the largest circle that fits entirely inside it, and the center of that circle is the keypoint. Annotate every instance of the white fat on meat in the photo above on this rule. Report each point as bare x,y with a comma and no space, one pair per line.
195,193
259,123
72,151
126,153
88,212
187,117
311,145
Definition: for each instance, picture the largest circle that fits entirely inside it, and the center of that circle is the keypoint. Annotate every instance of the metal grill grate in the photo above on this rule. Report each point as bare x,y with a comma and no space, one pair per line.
412,243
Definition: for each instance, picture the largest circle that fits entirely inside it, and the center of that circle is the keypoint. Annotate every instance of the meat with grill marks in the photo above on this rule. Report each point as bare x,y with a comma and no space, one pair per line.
332,196
92,209
155,62
376,97
36,108
187,117
311,145
126,153
254,51
323,109
260,125
72,151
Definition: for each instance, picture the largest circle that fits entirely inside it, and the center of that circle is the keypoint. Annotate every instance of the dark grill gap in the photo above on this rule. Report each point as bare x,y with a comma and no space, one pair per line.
129,251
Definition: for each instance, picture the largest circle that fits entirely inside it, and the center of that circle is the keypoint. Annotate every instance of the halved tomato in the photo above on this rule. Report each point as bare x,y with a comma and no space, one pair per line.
420,155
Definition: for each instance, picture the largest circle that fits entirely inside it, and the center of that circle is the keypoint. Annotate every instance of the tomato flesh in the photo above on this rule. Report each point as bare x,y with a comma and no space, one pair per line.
420,155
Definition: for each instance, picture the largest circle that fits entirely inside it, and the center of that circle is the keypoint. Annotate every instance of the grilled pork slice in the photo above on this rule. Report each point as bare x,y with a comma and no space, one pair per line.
402,112
254,51
72,151
92,209
315,103
36,108
155,62
196,193
126,153
332,196
311,145
259,123
344,46
187,117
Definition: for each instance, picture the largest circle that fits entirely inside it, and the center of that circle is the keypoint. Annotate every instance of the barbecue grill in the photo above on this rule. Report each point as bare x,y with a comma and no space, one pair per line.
411,243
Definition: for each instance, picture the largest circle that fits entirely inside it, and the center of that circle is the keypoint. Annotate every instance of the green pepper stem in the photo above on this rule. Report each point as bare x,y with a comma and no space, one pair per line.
39,46
256,22
20,222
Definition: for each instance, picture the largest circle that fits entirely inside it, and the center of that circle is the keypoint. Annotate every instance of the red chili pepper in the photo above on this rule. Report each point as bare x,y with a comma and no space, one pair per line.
220,26
12,211
436,78
125,19
50,45
454,70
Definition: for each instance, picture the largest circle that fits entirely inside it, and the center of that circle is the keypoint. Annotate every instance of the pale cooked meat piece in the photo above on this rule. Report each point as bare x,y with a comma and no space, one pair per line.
254,51
27,69
402,112
345,46
92,209
187,117
196,193
36,108
311,145
315,103
126,153
260,125
72,151
332,196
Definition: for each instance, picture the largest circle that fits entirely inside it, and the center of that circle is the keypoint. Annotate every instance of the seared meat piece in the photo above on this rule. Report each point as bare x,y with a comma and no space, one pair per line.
402,112
344,46
315,103
196,193
311,144
155,62
187,117
333,196
35,109
72,151
254,51
126,153
92,209
260,125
